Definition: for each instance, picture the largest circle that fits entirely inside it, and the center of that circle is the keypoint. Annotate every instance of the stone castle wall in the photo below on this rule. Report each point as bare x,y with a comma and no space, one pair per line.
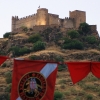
43,27
42,17
29,22
93,28
53,19
68,23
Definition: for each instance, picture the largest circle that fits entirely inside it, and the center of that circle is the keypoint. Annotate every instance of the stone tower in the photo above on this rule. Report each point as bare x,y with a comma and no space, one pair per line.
42,17
79,17
14,19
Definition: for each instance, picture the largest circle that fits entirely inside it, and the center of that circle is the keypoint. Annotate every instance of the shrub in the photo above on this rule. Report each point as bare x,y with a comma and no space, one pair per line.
8,88
91,39
34,38
4,96
24,28
66,40
91,79
8,76
62,67
38,46
17,51
58,95
2,53
6,35
74,44
24,50
73,34
63,81
89,97
4,65
32,57
84,28
59,58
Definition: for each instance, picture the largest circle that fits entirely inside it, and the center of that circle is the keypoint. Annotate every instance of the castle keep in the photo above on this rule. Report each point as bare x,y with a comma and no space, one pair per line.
42,19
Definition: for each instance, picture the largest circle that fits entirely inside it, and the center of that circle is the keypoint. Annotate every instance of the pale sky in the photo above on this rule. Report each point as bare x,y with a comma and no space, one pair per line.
22,8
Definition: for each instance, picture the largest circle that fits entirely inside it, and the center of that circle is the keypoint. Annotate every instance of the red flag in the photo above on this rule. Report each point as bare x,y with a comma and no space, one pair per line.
33,80
95,69
2,59
78,70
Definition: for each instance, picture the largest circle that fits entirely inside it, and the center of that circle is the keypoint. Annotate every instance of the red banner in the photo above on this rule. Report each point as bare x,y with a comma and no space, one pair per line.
2,59
33,80
95,69
78,70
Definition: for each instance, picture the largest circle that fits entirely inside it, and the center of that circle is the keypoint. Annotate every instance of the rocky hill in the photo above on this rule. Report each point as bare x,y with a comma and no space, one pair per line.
54,44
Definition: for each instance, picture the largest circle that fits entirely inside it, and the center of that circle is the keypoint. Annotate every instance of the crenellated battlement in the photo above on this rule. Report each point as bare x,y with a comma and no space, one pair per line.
15,18
26,17
53,15
68,18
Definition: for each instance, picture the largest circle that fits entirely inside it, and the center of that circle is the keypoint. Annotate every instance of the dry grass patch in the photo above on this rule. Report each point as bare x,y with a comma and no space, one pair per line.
94,51
21,35
3,39
2,80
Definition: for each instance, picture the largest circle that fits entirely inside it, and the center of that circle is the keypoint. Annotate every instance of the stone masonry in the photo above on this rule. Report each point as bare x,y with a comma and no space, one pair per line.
42,19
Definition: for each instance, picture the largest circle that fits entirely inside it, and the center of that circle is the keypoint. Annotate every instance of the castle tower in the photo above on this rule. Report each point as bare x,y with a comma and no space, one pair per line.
14,19
79,17
42,17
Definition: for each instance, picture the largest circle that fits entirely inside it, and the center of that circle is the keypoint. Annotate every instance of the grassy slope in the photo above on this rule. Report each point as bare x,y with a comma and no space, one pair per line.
79,91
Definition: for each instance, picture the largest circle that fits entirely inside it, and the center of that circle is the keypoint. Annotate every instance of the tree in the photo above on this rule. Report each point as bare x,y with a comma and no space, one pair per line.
73,34
6,35
84,28
74,44
17,51
91,39
34,38
38,46
66,40
58,95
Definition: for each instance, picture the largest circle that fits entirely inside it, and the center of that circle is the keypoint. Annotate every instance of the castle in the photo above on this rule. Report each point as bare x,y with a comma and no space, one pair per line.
42,19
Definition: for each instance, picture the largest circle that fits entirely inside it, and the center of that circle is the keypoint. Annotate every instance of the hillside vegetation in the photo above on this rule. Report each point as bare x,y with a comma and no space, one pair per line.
54,44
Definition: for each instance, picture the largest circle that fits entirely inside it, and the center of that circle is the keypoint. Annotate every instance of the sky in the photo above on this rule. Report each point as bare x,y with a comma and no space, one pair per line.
22,8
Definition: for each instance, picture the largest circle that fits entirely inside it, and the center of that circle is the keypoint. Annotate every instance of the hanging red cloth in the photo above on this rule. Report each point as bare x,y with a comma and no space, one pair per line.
3,59
95,69
78,70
